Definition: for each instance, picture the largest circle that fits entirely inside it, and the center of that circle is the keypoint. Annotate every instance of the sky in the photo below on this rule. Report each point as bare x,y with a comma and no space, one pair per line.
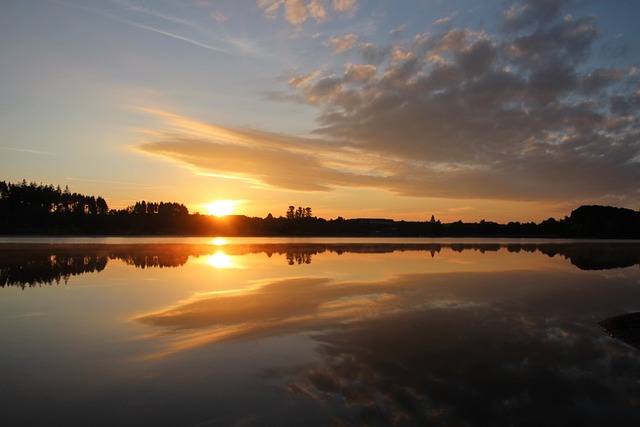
462,109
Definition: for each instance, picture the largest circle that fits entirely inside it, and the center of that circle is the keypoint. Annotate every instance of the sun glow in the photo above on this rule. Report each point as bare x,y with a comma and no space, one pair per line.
221,207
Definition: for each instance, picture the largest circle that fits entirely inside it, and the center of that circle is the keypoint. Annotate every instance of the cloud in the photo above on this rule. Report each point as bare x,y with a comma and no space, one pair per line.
529,13
180,29
446,19
26,150
566,43
296,80
174,35
344,43
298,11
145,10
346,6
359,73
174,22
295,11
457,114
373,54
466,114
285,162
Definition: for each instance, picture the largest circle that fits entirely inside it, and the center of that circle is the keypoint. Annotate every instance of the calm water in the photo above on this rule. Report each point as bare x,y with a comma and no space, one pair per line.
197,332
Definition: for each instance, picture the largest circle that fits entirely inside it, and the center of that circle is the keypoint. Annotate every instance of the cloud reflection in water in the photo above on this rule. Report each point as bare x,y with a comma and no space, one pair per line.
463,348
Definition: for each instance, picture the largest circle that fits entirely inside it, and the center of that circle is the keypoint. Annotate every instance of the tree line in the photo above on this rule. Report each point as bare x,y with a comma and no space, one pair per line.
32,209
33,199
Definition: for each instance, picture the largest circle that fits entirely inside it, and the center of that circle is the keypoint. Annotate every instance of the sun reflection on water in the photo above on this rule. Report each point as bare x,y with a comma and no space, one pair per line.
220,260
219,241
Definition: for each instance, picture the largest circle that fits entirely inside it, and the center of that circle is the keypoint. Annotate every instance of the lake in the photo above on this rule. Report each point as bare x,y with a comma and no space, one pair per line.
217,332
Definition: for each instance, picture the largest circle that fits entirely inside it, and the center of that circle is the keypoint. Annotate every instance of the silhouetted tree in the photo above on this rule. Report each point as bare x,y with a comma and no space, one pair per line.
101,206
291,212
299,212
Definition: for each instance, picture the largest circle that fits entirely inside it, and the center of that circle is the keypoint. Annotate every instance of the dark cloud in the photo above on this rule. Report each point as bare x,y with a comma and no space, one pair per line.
527,13
567,42
373,54
600,79
623,105
521,117
478,58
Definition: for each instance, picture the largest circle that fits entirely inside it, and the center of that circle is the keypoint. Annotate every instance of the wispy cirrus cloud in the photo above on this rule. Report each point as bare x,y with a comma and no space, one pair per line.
181,23
157,24
149,11
174,35
29,151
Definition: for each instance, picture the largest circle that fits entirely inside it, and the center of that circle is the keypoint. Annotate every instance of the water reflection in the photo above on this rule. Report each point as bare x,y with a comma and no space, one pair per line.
298,257
55,263
463,349
219,241
423,334
484,366
625,327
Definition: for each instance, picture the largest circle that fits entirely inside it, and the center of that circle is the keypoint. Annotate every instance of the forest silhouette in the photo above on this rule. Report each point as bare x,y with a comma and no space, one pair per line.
38,209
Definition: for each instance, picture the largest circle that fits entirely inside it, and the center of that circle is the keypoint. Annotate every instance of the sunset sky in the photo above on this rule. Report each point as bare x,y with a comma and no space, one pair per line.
464,109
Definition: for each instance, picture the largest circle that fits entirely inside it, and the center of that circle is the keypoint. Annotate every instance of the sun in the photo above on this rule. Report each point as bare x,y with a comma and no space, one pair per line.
221,207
